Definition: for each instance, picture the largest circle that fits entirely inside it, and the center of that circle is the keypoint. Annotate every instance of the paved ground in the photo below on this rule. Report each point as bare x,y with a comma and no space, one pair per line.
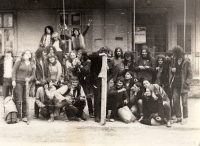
39,132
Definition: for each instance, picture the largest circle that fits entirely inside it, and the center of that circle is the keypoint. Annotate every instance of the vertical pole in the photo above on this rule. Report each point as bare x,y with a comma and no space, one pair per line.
103,90
133,25
184,25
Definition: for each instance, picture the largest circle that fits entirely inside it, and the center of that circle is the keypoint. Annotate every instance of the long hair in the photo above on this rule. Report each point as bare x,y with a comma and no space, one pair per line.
178,52
69,58
145,47
38,53
118,48
30,59
50,28
128,53
84,56
48,49
160,57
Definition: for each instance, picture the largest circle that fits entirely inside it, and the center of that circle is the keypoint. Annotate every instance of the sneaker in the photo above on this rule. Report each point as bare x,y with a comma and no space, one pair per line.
51,119
66,118
184,121
176,120
168,124
112,120
96,119
35,116
24,119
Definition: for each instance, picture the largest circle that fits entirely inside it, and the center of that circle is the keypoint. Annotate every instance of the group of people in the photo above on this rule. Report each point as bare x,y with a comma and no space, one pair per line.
65,84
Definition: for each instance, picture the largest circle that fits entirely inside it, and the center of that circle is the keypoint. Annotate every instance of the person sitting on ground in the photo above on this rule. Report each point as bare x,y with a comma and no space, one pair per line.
117,98
72,98
152,109
158,91
45,100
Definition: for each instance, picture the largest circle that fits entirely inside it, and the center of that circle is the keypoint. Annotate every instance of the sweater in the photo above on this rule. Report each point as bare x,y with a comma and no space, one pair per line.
21,71
55,71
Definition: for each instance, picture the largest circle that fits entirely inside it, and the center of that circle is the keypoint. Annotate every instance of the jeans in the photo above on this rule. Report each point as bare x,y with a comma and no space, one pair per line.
177,105
80,105
36,108
7,87
20,92
167,110
97,98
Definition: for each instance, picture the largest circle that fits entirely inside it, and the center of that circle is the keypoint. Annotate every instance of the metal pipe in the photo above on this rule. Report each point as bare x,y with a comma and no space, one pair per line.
184,25
133,25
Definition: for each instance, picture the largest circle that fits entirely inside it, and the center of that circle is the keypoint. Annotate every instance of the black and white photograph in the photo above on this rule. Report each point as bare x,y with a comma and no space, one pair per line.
100,72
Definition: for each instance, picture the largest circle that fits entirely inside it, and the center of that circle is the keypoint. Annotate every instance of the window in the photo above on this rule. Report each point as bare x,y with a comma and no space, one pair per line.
180,37
6,31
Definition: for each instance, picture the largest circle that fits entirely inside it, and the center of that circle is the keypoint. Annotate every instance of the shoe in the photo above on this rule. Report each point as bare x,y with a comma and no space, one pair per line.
112,120
24,119
176,120
66,118
79,119
51,119
91,115
35,116
184,121
96,119
168,124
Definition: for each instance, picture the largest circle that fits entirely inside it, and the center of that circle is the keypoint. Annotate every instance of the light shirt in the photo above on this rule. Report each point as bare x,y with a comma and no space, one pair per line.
56,45
48,40
8,65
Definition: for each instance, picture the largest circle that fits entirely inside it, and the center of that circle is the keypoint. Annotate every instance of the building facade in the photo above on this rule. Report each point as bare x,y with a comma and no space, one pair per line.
22,24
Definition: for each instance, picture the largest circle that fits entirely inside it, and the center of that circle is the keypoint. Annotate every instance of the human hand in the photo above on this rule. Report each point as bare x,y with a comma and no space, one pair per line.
13,83
82,98
102,54
154,96
141,118
46,87
141,67
27,79
157,68
89,22
37,82
125,101
174,70
146,67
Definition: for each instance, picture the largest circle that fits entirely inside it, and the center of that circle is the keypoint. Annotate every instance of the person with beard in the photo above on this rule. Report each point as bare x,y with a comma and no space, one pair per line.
96,64
145,65
118,60
71,98
181,84
117,98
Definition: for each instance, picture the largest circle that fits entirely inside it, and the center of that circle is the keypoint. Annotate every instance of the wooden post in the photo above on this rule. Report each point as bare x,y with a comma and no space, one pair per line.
27,103
103,75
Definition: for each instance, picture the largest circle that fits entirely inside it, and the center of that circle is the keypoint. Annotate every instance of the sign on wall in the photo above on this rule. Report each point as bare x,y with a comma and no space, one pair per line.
140,35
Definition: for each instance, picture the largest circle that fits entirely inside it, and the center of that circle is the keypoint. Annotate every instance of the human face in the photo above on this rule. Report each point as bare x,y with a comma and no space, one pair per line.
48,31
128,76
27,55
160,61
144,53
119,53
51,50
79,54
75,84
8,55
128,58
76,32
52,59
146,83
72,56
119,84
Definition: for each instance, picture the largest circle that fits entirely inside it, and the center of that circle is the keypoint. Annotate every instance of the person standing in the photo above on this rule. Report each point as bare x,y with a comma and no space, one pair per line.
46,38
181,84
23,71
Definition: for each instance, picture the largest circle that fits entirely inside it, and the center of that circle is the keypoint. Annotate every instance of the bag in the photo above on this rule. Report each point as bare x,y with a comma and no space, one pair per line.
10,110
126,115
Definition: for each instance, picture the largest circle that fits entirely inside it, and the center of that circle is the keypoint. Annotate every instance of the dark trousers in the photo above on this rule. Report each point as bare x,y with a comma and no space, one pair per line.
87,90
7,87
20,92
80,105
97,97
177,105
36,108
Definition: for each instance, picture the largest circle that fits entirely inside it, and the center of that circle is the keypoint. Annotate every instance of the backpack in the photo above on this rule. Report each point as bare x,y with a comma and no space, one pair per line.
10,110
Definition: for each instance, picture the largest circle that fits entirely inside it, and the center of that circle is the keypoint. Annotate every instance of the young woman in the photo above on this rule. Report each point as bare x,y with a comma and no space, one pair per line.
23,71
117,98
70,66
44,100
181,84
46,38
51,50
78,42
128,61
118,60
55,69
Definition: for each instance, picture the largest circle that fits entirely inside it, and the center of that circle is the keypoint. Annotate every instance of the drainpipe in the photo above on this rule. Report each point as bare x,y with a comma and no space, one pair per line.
133,25
184,25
